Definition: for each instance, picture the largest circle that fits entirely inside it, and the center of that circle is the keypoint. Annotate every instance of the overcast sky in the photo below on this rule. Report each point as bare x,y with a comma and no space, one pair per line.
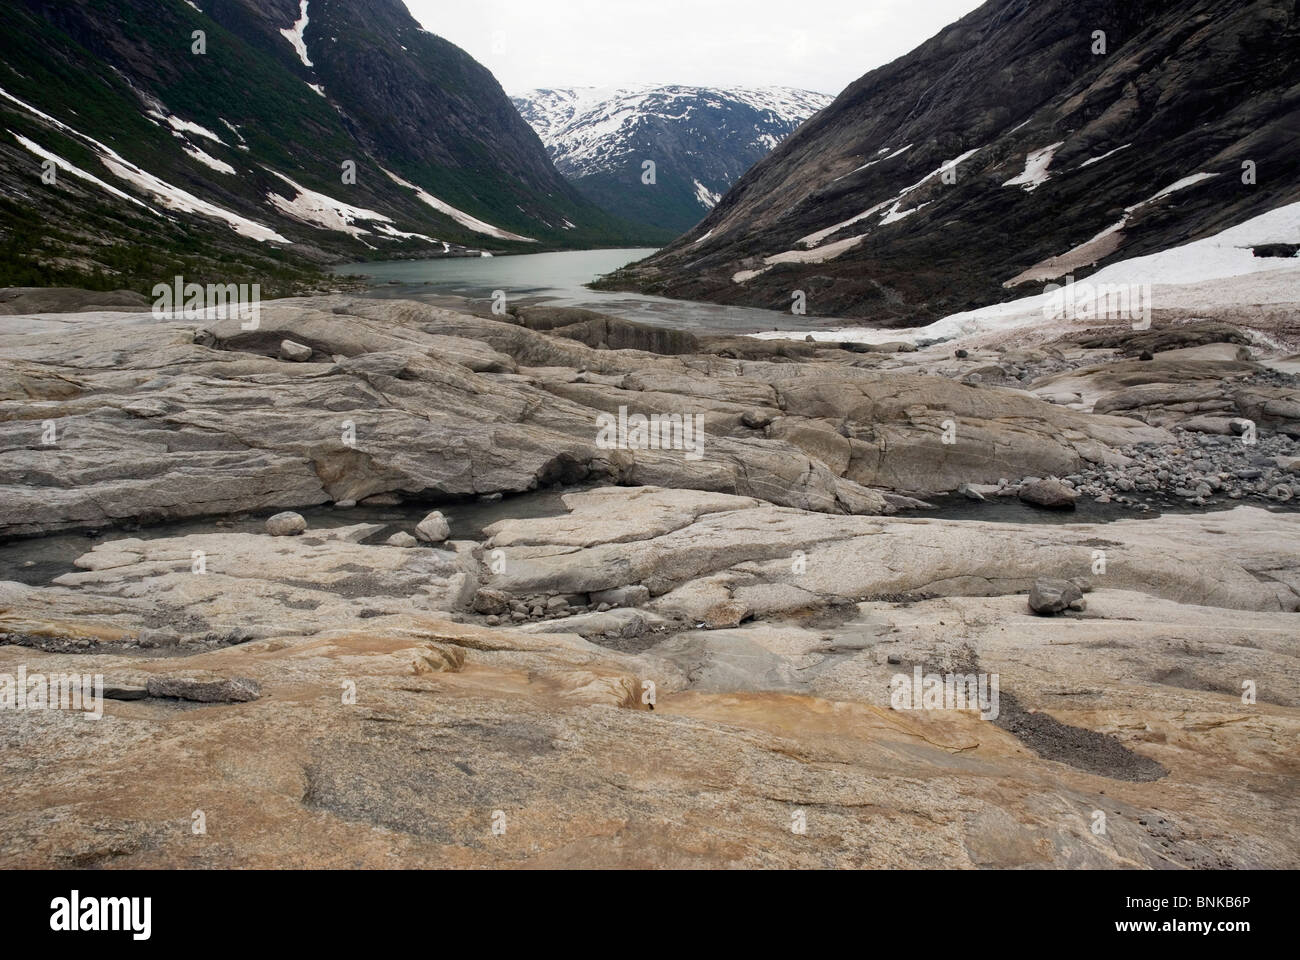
816,44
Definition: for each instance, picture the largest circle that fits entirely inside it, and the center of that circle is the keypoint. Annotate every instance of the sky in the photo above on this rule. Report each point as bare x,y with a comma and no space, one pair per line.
820,45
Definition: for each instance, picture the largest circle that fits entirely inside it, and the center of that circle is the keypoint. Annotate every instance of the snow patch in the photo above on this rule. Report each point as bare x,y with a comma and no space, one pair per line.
1182,184
296,35
1035,172
872,163
1221,269
76,171
324,211
219,165
819,255
1089,252
460,216
59,124
389,231
1104,156
894,213
171,197
706,197
181,127
174,198
813,239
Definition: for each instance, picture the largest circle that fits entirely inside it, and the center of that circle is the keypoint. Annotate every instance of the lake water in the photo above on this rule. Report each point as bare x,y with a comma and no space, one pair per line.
558,279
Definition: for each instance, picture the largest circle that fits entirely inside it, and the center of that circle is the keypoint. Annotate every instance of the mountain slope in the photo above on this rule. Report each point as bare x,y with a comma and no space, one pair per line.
1061,159
701,140
231,160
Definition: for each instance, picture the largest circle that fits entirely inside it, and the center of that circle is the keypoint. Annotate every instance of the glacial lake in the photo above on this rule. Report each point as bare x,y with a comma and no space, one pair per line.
558,279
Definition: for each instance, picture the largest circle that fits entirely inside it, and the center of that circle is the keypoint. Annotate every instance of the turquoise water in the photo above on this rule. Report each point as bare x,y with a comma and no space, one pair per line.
558,279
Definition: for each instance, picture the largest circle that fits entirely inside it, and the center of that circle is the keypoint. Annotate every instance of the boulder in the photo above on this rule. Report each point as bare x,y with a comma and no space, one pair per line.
1222,426
1049,493
721,616
433,528
1050,597
614,624
632,595
205,687
287,524
151,639
294,352
491,602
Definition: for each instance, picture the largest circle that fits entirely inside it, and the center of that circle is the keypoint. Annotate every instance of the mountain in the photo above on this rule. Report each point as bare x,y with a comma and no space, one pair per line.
1074,133
214,138
701,140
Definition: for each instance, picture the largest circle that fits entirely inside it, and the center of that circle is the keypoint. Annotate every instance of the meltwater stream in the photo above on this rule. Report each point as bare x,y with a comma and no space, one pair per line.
36,561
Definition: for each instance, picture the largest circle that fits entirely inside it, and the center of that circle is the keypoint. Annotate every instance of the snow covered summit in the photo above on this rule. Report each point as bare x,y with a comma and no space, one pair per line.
700,140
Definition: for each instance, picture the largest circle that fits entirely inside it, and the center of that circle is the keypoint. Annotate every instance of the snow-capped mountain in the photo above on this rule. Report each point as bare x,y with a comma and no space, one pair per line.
1026,143
700,139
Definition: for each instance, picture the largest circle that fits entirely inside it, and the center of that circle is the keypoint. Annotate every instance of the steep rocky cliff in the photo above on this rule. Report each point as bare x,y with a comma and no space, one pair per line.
1027,141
